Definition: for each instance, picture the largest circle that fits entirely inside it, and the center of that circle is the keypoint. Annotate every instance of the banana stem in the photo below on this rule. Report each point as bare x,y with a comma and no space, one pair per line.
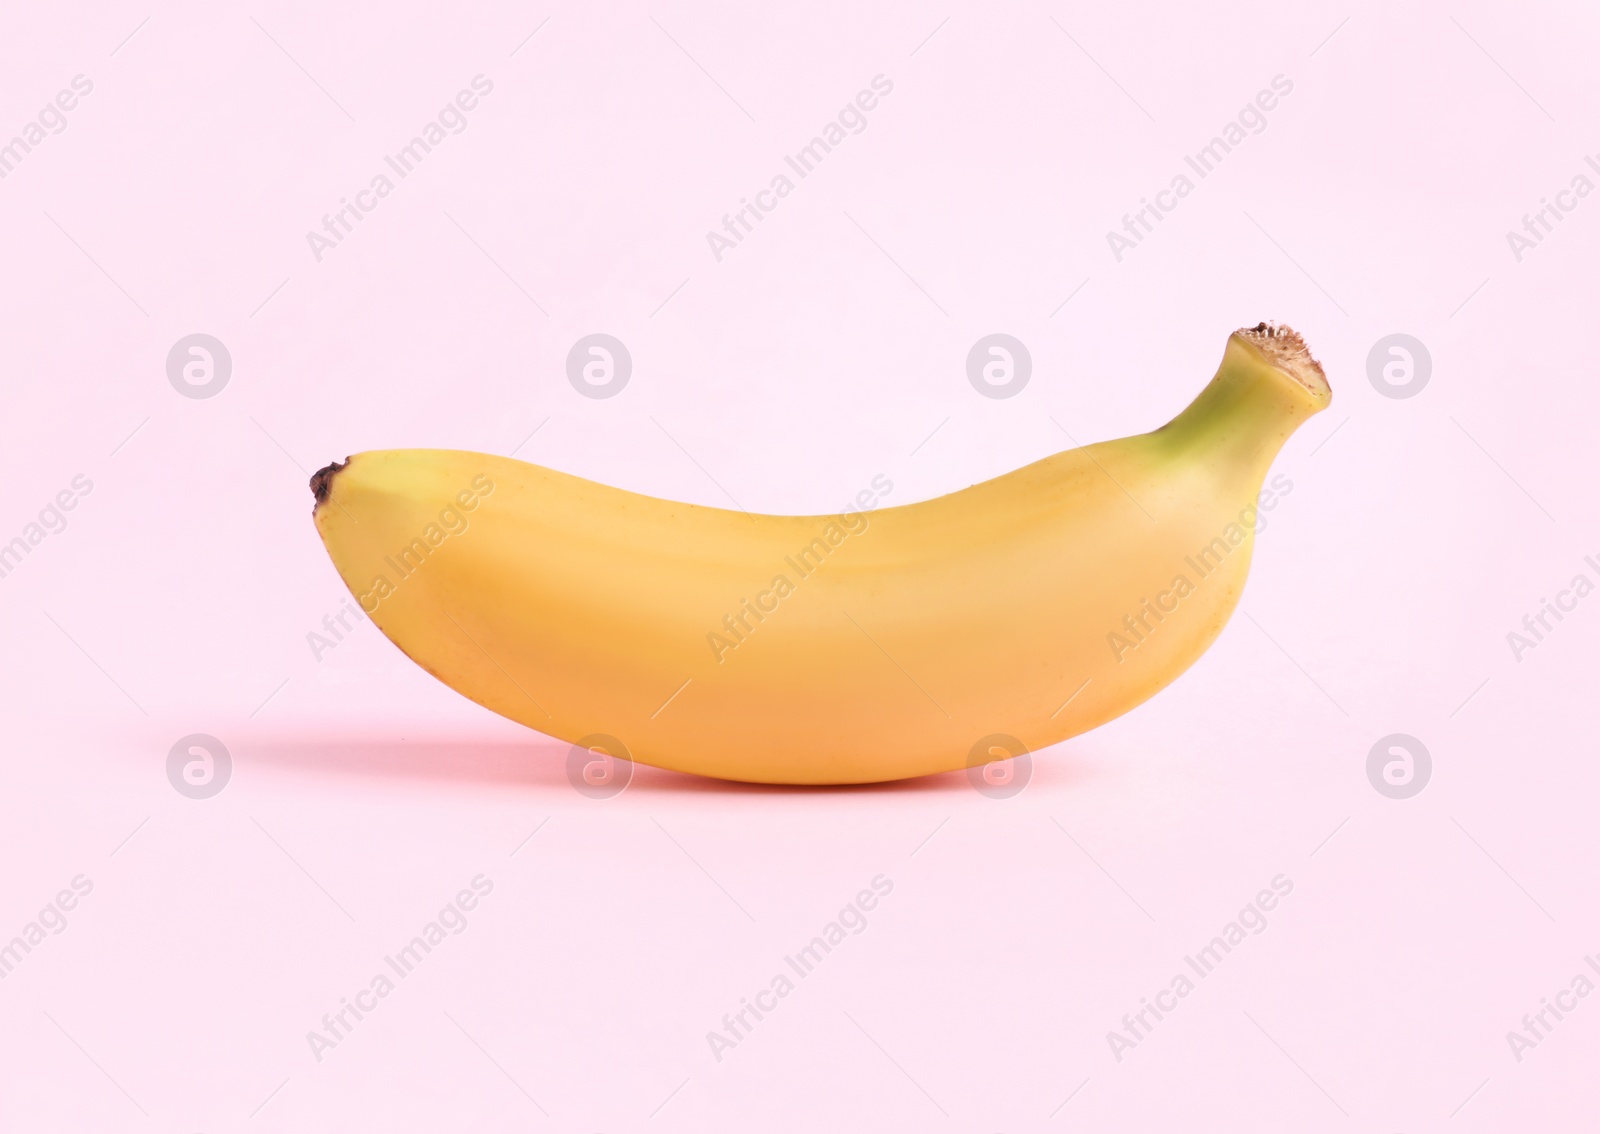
1267,385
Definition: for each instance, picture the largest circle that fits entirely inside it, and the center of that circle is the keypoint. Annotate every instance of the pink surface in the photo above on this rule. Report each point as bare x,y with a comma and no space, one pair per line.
575,988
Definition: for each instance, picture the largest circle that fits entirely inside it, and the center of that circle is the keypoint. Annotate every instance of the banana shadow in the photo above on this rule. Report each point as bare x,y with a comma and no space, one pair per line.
541,765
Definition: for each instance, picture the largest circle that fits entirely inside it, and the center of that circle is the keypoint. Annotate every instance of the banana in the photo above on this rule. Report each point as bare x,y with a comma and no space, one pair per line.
850,648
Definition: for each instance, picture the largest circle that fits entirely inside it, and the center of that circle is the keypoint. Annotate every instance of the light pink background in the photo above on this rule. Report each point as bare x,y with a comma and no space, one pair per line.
822,351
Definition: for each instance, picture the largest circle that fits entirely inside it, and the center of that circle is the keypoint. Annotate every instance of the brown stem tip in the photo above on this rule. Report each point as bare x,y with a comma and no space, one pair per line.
1284,348
322,481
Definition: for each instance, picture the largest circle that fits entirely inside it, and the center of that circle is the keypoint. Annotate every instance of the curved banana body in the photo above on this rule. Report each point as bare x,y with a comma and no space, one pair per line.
826,649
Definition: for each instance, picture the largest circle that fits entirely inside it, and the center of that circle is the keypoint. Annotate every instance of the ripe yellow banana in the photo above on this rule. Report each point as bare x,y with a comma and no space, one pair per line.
836,649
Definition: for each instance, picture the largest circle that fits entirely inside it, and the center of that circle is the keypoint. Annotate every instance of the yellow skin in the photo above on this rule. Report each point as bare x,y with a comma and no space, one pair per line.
902,639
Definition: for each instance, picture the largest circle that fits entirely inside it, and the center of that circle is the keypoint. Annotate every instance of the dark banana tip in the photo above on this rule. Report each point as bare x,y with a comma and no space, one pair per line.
322,481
